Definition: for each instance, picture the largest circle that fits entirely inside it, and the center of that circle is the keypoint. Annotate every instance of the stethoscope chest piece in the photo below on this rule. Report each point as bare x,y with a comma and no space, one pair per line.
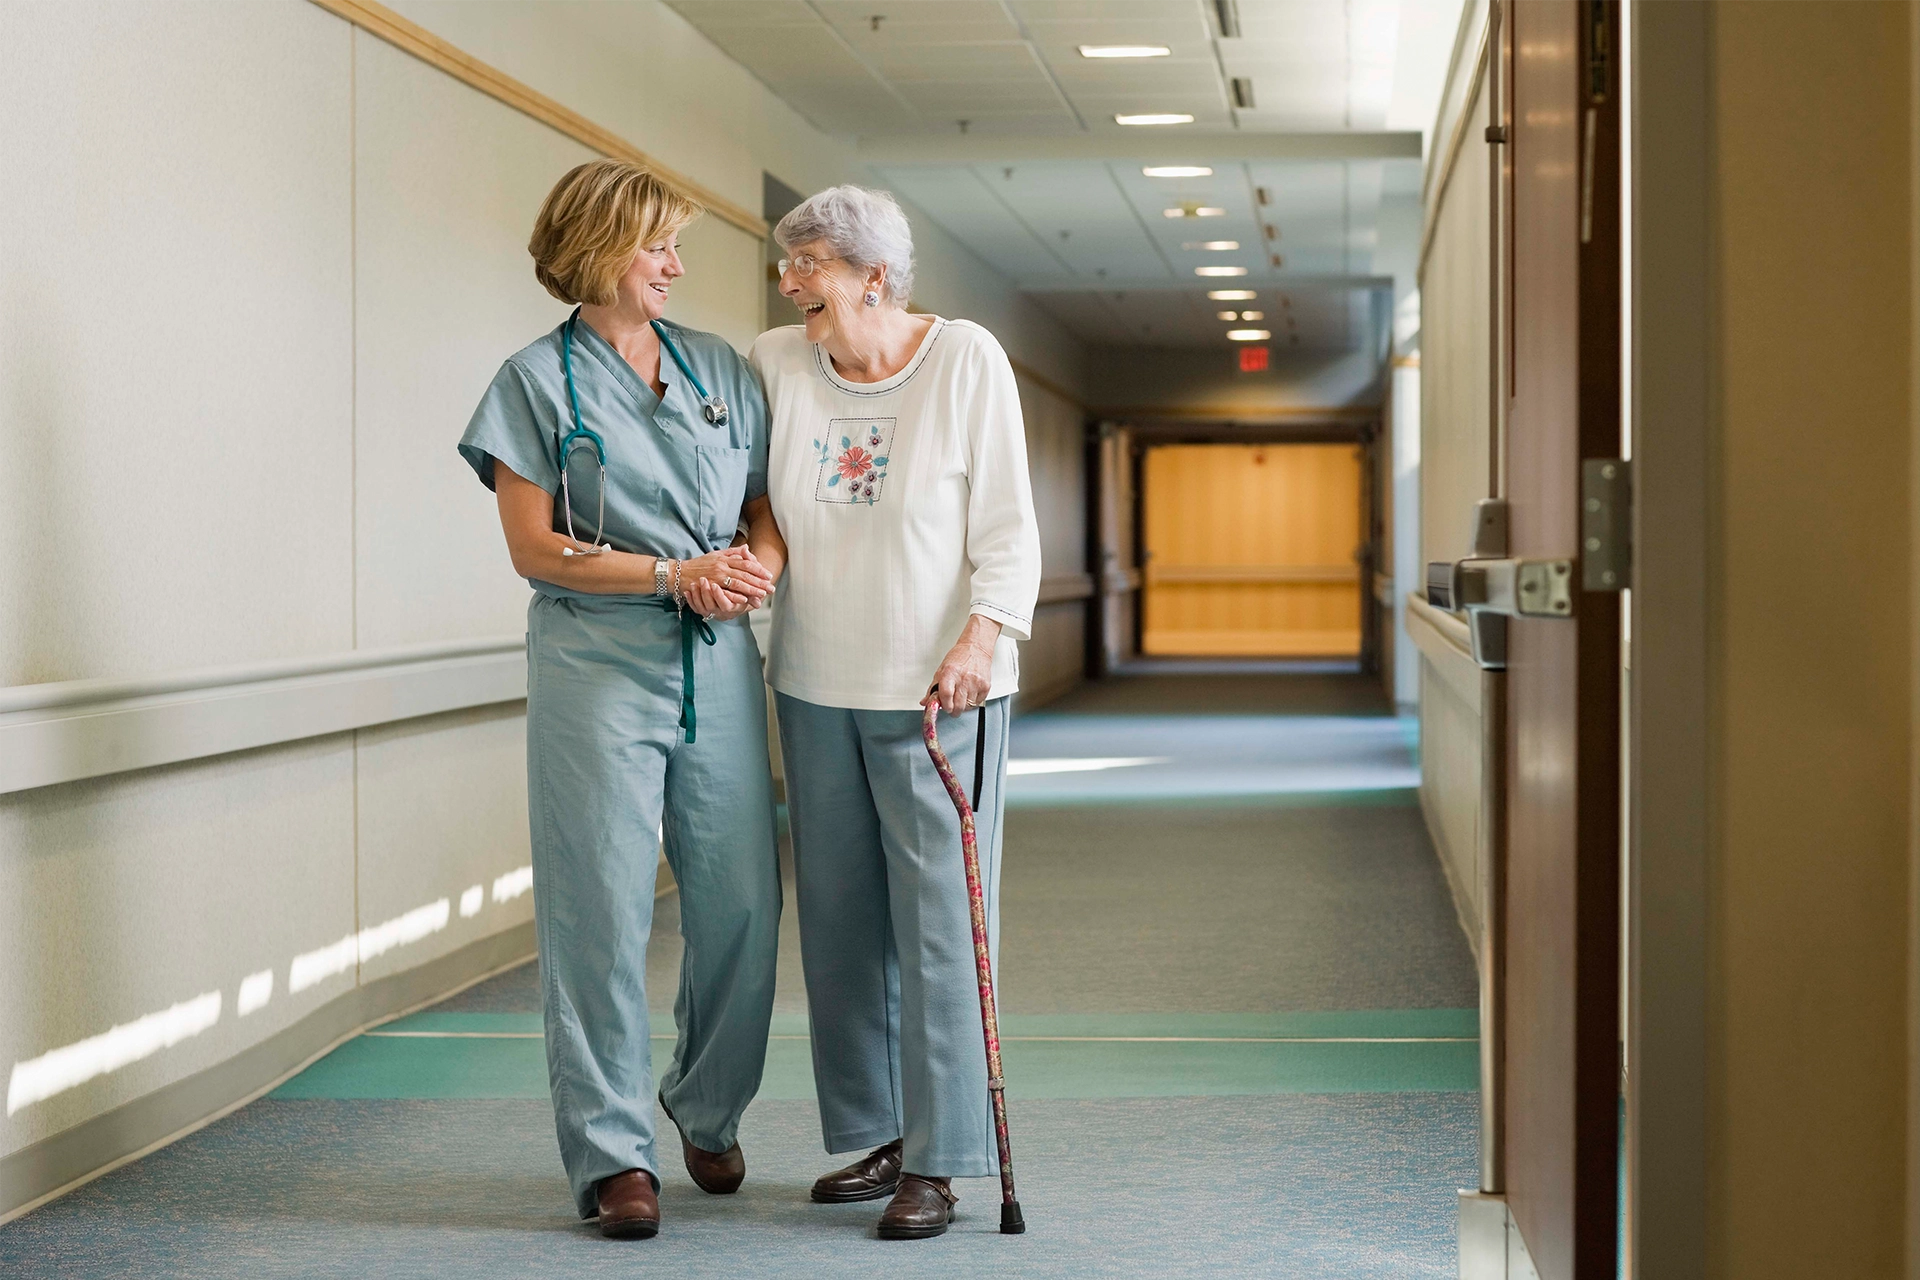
714,411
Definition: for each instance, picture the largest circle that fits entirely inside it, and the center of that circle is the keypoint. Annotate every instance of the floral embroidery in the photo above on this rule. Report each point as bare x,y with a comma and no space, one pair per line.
854,463
853,460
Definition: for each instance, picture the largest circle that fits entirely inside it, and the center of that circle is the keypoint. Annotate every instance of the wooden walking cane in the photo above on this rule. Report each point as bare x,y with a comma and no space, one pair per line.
1011,1221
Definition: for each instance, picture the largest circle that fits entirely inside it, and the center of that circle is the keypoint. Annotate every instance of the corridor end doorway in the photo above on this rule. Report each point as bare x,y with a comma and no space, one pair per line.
1253,550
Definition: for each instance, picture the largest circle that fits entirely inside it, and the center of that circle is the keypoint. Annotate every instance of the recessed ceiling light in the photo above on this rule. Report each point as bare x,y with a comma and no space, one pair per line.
1124,51
1232,295
1219,271
1228,315
1177,171
1195,211
1216,246
1253,315
1155,117
1248,335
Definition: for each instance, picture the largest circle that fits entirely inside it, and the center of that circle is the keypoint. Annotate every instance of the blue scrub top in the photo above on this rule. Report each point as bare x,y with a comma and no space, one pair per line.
675,482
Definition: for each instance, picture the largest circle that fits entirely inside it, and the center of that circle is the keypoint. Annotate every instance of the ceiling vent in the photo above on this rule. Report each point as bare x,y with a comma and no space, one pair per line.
1228,14
1243,93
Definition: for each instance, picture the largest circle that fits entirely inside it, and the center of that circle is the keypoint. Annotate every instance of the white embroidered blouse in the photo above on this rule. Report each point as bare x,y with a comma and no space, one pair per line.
906,507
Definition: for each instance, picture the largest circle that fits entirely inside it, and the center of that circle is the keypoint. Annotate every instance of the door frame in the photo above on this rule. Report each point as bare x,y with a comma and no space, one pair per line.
1668,278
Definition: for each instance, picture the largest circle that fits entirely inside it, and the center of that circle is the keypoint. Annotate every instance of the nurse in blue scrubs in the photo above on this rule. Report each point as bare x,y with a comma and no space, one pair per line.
629,458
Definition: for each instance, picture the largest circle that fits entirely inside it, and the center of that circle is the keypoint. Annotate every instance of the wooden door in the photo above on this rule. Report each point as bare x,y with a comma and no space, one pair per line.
1561,209
1252,550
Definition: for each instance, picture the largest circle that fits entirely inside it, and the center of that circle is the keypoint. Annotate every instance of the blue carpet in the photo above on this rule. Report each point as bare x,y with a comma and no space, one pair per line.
1327,1188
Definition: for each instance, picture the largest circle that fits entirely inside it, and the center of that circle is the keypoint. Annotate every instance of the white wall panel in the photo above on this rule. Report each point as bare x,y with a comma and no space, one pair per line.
443,806
1450,787
122,896
448,184
1454,468
175,361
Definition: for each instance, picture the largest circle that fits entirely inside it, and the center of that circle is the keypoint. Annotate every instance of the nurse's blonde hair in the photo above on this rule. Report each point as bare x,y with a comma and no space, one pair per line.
595,220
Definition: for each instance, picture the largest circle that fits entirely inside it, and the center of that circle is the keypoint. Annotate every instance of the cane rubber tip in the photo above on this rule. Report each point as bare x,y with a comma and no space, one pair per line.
1011,1223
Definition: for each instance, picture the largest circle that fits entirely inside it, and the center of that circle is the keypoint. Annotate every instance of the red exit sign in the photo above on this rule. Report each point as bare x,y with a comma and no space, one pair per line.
1253,359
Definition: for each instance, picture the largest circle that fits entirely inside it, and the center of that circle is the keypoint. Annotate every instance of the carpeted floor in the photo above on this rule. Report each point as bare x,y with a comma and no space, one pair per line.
1240,1041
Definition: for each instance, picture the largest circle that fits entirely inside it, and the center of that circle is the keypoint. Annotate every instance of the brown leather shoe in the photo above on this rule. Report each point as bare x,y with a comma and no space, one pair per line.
629,1206
874,1175
716,1173
922,1207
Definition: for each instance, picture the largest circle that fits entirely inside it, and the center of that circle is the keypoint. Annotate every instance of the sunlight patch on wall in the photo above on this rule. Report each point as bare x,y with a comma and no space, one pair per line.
63,1068
255,990
511,885
356,948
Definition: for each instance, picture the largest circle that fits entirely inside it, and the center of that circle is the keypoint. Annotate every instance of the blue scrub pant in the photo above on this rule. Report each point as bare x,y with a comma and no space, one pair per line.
607,767
886,937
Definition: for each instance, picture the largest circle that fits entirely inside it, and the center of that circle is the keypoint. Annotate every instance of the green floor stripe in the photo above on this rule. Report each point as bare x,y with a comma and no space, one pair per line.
499,1056
1371,797
1316,1024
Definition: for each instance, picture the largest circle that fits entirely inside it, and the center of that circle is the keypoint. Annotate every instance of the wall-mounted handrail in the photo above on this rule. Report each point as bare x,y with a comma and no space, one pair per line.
69,730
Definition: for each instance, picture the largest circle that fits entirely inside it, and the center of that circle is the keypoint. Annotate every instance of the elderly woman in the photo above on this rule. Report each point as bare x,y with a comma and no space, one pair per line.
623,451
898,476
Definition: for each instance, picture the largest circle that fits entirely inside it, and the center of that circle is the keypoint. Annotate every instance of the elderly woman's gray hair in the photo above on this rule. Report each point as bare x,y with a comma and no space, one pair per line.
865,228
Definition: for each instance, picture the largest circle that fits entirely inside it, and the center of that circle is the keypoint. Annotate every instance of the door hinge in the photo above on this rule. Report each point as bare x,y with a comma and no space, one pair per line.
1606,524
1496,133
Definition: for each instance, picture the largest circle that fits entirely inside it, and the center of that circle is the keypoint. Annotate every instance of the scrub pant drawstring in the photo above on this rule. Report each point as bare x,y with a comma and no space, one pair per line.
691,624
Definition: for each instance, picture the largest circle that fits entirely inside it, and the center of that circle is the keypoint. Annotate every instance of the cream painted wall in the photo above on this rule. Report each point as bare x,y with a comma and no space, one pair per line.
1054,660
122,896
1453,469
1810,705
176,320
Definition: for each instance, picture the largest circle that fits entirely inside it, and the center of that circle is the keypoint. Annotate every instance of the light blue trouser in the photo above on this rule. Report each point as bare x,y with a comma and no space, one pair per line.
608,767
886,937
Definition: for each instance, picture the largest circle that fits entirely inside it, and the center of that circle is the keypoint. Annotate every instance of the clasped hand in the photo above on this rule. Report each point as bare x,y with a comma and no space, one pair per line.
723,585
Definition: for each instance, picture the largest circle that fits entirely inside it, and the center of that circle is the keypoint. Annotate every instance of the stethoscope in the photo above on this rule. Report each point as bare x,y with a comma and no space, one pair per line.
712,408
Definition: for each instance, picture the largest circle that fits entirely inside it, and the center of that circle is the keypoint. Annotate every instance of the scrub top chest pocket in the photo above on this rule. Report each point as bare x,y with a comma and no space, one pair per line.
723,491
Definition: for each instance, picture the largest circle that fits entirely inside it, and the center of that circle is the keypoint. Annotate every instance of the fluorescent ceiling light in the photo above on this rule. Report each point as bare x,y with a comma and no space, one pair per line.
1253,315
1248,335
1177,171
1195,211
1217,246
1155,117
1229,315
1232,295
1219,271
1124,51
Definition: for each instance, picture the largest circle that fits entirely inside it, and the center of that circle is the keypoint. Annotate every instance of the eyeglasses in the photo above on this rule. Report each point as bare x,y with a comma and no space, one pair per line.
804,265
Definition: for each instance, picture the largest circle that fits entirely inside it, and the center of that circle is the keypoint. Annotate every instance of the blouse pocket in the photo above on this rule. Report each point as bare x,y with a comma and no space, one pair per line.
723,490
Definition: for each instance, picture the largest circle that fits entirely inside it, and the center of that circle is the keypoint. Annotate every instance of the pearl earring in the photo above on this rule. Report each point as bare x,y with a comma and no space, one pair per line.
872,299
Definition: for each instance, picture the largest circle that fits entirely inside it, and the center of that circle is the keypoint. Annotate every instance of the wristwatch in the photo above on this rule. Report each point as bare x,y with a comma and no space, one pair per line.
660,575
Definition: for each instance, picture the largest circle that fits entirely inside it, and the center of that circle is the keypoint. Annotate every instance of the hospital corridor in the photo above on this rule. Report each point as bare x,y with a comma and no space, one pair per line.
1213,637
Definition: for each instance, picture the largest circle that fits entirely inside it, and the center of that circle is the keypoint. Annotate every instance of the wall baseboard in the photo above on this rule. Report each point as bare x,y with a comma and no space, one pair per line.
73,1157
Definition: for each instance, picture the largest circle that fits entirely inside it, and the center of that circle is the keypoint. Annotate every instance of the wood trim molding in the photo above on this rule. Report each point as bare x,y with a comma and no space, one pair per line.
411,38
